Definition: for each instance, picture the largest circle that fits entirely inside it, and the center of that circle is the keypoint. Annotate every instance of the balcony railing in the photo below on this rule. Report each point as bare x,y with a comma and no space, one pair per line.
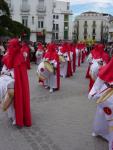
69,12
25,7
41,9
66,28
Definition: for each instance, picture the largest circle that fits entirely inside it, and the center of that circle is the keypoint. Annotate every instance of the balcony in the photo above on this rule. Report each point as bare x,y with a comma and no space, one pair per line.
68,12
66,28
41,9
25,7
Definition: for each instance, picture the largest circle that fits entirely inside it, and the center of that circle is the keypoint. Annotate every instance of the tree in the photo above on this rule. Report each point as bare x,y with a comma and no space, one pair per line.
8,27
12,28
4,7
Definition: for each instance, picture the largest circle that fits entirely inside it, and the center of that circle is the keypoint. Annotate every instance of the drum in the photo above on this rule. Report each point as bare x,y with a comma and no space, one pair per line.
44,70
48,66
6,91
62,59
94,70
7,100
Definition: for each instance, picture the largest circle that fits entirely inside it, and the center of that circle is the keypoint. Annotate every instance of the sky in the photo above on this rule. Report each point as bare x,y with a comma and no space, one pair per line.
80,6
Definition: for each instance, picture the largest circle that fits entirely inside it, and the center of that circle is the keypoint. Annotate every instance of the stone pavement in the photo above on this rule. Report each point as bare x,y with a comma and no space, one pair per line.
61,120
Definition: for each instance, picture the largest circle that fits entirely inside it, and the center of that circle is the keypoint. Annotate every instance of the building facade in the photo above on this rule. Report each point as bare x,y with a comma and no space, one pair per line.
111,32
44,18
92,25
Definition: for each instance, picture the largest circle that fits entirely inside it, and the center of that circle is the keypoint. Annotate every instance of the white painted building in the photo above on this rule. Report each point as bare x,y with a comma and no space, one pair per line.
62,21
40,16
111,32
92,25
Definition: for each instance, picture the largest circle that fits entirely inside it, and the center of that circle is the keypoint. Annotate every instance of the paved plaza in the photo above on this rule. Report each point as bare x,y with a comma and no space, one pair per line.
61,120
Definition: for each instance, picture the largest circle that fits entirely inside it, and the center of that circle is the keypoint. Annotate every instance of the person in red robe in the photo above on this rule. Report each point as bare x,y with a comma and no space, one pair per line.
102,94
52,56
69,67
26,52
14,59
74,57
101,57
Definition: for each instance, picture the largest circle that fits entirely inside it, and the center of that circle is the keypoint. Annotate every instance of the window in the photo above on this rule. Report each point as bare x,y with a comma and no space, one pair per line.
57,26
57,16
53,16
85,37
25,20
40,24
66,35
93,37
93,30
56,36
32,19
85,23
65,25
85,31
53,26
68,6
66,17
94,22
53,36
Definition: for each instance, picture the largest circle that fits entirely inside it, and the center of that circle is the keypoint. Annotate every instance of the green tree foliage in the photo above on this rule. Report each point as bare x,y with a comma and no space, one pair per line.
13,28
4,7
9,27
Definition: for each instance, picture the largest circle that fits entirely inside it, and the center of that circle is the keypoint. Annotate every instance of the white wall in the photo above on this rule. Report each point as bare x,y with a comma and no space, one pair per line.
48,17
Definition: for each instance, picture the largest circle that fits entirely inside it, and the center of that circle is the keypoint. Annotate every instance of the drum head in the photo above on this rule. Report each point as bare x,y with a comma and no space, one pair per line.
62,59
42,72
8,100
49,67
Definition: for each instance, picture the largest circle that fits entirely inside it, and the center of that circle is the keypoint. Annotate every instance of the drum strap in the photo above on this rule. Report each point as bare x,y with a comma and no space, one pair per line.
105,96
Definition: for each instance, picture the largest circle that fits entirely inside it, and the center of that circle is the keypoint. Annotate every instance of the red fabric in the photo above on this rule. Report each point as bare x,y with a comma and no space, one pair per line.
83,56
105,57
91,82
106,72
97,51
87,73
26,49
14,59
21,93
52,55
79,59
69,68
74,59
40,47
